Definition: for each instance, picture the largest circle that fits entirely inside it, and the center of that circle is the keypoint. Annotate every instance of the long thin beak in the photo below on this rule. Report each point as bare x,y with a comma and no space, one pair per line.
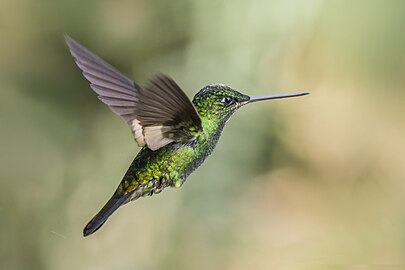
266,97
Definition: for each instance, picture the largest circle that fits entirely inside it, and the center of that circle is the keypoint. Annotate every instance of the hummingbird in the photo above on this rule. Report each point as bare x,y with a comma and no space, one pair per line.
176,134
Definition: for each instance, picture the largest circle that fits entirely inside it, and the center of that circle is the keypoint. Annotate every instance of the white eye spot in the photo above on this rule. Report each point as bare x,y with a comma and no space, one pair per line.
227,101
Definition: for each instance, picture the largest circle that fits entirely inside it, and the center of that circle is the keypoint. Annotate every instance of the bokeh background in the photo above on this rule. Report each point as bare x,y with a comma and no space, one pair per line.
315,182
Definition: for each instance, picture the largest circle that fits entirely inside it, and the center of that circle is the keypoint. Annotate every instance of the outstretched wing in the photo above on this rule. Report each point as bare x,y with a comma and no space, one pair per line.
157,115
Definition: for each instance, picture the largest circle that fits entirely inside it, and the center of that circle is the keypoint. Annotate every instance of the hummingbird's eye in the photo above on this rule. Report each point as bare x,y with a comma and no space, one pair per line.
227,101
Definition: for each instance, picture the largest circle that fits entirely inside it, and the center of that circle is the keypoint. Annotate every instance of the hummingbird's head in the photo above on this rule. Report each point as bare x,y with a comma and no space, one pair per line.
218,101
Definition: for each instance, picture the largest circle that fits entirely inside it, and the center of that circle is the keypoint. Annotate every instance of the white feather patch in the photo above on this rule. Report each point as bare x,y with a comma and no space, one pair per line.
154,137
137,131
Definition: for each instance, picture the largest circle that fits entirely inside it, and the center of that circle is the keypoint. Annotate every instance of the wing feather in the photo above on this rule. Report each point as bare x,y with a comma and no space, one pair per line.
158,114
118,92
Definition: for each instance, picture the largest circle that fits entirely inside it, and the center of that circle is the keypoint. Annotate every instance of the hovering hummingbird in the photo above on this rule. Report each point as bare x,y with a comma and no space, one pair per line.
176,135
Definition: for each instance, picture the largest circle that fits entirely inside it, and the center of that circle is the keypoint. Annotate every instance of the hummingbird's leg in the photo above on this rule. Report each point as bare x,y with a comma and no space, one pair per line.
154,187
158,185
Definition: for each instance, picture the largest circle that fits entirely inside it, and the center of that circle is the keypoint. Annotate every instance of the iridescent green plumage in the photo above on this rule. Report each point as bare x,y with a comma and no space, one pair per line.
176,135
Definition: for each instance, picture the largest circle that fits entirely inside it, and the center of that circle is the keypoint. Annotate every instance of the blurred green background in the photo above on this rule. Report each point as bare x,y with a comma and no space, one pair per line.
315,182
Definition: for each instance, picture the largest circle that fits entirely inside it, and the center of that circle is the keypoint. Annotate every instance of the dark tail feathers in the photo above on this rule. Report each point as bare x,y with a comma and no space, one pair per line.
104,214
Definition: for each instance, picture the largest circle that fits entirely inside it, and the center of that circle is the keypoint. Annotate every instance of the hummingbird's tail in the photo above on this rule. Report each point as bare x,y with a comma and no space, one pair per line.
105,212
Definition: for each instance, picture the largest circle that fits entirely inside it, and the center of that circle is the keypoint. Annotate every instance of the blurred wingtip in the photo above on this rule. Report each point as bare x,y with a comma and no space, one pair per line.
67,38
71,42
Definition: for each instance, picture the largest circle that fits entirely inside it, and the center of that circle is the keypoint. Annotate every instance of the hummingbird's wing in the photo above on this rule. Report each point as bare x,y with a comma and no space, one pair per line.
157,115
166,114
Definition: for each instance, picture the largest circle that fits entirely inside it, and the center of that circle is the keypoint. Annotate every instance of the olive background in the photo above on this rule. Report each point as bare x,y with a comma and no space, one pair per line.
314,182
